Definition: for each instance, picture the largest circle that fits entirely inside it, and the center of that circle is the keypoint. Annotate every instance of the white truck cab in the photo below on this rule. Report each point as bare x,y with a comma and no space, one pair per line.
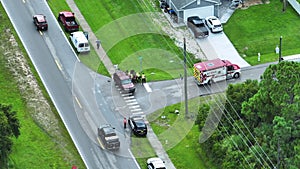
80,41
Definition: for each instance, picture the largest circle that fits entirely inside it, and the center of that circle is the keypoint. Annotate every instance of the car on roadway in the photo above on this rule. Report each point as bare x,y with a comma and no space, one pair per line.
137,125
108,137
124,82
155,163
214,24
40,22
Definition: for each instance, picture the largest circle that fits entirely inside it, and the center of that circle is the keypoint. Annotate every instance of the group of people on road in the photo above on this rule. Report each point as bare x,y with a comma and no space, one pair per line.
136,77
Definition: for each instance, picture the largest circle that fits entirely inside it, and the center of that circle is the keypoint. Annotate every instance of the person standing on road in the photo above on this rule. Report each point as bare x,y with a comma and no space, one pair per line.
143,78
138,77
124,121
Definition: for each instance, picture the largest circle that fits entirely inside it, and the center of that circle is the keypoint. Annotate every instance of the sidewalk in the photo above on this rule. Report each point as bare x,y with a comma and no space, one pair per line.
155,143
92,38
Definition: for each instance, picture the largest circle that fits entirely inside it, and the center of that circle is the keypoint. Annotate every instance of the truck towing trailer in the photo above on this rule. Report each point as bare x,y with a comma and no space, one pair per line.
214,71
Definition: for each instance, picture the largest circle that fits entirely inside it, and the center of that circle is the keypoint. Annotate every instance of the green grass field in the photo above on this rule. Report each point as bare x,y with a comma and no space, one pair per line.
254,30
258,30
128,33
34,148
179,135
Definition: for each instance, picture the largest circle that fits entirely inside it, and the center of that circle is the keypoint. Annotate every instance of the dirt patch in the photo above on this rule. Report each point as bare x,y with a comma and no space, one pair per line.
178,33
249,3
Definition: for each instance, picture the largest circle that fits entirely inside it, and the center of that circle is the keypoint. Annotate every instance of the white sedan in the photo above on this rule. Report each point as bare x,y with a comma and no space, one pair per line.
214,24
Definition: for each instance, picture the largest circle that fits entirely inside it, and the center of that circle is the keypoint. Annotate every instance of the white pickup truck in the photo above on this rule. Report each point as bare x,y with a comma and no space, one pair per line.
80,41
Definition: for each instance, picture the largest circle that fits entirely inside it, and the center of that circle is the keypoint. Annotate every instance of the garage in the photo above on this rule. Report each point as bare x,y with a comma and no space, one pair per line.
202,12
187,8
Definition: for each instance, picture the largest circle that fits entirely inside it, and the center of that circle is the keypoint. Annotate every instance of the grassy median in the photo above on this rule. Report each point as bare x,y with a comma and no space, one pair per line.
36,147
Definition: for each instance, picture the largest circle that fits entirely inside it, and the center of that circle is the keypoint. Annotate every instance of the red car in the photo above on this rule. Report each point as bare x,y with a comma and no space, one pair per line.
40,22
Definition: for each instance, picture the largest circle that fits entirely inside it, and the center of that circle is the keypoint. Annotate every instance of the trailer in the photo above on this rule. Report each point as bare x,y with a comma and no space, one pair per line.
214,71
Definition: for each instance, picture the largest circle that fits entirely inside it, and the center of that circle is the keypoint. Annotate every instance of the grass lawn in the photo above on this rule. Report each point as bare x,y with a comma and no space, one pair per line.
142,150
90,59
179,136
258,30
127,34
34,148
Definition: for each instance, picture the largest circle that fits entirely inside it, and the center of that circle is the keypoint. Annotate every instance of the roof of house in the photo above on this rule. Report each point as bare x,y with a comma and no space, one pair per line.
181,3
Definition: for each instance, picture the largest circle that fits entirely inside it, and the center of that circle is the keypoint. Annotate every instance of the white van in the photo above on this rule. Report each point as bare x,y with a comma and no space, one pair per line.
80,41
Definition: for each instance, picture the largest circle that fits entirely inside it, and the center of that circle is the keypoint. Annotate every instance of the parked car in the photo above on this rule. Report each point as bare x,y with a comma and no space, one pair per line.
214,24
197,26
40,22
108,137
80,41
155,163
68,21
137,125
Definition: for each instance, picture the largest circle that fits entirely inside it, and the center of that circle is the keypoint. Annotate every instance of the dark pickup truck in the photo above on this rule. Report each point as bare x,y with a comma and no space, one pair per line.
108,137
68,21
197,26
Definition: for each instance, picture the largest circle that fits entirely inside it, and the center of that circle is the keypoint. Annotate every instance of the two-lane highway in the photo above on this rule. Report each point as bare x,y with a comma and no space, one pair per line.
65,79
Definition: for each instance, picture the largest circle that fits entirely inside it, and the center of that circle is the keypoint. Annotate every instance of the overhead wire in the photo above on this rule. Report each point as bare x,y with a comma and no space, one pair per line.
190,63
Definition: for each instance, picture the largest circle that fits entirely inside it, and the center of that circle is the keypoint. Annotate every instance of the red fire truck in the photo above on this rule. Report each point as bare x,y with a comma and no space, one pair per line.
214,71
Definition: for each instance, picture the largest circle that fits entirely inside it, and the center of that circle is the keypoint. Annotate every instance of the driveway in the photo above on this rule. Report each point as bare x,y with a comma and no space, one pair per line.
217,45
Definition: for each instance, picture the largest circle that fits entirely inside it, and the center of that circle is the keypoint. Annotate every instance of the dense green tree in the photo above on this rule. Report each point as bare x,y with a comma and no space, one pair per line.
202,115
9,127
273,114
260,127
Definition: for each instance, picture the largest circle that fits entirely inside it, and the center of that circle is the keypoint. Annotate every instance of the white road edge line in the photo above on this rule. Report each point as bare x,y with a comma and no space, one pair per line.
134,159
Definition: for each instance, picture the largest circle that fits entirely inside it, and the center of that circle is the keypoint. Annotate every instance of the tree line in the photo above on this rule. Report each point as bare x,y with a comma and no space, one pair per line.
9,128
260,124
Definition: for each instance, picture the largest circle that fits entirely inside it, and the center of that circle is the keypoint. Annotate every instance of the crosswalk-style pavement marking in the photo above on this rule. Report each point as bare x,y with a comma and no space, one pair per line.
136,106
128,97
134,110
132,103
138,113
147,87
130,100
125,94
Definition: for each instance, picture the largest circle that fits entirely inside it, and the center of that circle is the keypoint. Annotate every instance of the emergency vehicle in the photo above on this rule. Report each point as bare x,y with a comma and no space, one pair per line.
214,71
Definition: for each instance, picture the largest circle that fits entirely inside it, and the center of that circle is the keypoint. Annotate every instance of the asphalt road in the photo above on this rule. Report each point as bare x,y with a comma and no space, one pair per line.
67,82
166,93
85,99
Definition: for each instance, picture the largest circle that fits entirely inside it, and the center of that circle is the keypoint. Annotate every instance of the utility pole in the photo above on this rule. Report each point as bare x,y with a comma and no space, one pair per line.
284,6
141,63
185,80
280,49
